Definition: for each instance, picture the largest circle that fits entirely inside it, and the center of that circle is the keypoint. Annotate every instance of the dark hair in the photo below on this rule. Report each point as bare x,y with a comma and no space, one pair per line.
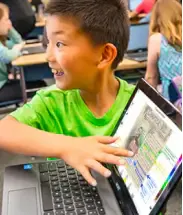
104,21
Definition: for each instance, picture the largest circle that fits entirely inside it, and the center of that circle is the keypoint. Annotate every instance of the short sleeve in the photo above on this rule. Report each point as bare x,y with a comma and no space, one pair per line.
34,113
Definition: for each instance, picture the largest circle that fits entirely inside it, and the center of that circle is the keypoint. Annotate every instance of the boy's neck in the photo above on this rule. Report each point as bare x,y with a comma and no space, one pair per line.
100,99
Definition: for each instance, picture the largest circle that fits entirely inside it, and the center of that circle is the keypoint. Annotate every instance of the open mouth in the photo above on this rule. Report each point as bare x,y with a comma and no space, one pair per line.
57,72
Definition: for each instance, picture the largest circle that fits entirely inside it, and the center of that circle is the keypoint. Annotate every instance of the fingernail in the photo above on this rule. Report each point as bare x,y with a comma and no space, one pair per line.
94,183
130,153
122,162
107,173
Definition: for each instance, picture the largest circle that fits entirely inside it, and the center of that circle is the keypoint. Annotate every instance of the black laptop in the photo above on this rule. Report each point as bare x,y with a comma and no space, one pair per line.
137,46
151,127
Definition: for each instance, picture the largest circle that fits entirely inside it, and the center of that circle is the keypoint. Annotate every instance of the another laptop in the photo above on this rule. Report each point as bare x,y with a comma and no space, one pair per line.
151,127
33,50
137,47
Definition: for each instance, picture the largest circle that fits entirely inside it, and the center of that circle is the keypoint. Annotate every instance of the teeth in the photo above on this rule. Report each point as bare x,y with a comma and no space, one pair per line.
57,72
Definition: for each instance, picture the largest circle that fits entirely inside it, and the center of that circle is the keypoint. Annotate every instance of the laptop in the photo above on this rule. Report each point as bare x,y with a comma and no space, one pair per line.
151,127
137,46
32,50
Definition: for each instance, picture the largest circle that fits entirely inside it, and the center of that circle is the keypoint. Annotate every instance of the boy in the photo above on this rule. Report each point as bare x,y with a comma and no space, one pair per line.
87,39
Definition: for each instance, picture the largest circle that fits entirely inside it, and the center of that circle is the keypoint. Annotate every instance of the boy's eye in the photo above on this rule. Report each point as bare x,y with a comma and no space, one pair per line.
59,44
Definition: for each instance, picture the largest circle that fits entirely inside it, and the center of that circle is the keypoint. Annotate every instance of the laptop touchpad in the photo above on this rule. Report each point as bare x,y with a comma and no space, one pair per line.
22,202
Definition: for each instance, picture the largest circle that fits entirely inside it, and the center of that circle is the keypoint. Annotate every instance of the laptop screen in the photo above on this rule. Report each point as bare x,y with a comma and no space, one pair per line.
156,142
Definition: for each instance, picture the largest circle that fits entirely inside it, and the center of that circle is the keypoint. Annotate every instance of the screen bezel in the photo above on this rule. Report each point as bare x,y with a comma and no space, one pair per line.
115,180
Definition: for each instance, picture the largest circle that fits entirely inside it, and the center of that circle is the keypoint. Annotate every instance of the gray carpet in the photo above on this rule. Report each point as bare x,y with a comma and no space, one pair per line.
174,205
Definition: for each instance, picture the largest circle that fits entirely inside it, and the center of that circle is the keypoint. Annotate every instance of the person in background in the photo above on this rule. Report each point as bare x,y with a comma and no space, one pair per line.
10,48
22,16
165,44
144,7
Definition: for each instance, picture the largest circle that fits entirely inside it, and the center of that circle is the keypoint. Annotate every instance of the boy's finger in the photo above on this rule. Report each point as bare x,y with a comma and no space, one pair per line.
95,165
112,159
86,174
118,151
106,140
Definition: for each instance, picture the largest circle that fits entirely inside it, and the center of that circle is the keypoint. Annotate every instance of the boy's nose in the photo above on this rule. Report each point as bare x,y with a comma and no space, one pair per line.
49,54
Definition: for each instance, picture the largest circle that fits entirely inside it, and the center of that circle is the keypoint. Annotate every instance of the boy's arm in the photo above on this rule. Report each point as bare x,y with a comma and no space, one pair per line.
83,153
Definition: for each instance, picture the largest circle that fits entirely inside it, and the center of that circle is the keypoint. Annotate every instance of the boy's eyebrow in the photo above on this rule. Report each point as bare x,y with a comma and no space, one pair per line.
58,32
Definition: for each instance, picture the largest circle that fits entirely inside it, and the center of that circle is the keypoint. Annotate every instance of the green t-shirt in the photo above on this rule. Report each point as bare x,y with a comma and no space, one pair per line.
64,112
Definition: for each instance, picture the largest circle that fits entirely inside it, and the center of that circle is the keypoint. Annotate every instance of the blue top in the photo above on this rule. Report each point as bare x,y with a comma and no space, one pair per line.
169,64
7,54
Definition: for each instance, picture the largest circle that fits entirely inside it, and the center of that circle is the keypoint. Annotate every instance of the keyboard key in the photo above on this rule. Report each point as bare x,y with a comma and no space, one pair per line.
71,177
59,206
69,167
54,173
66,190
59,212
63,174
96,196
79,205
63,179
90,206
93,212
78,198
87,194
49,213
56,194
88,199
53,178
44,177
65,184
61,169
57,200
46,197
69,207
43,167
73,182
71,213
101,211
98,203
68,202
94,190
80,178
83,183
54,183
81,211
71,172
76,193
61,164
67,195
85,188
55,188
75,187
52,166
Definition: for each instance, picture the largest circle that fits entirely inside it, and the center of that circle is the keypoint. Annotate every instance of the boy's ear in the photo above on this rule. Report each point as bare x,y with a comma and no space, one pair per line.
109,53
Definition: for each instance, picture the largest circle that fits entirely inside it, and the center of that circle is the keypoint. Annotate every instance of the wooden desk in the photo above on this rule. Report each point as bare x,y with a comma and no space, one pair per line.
40,24
127,64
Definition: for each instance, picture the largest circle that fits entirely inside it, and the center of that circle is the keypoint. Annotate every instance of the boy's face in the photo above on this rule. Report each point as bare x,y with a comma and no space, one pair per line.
72,57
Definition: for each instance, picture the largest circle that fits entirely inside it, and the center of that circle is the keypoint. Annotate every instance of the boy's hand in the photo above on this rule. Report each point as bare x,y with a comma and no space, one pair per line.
87,153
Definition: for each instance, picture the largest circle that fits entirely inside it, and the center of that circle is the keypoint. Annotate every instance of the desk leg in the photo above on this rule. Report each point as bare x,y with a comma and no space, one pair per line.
23,85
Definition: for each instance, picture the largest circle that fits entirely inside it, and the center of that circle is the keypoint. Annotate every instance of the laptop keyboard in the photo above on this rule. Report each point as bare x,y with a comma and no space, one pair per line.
65,191
139,56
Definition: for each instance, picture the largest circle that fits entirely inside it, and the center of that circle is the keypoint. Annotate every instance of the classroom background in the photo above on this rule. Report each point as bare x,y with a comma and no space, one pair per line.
151,54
